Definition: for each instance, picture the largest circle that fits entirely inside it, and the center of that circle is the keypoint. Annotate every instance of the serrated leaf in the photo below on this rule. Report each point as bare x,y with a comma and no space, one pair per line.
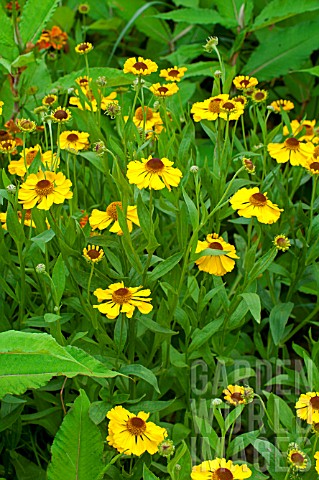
279,10
198,16
34,18
78,446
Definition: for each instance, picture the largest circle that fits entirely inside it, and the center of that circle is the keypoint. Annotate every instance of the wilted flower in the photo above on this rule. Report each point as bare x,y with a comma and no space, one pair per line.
211,42
112,109
249,166
26,125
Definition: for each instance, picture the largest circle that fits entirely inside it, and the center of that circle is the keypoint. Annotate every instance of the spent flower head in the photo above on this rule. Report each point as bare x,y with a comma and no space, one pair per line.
99,148
84,8
166,448
249,166
112,109
26,125
101,81
211,42
194,169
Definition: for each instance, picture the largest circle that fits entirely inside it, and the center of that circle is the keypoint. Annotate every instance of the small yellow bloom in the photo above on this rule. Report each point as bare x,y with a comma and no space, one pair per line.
26,125
249,202
282,242
259,96
147,119
231,110
291,149
7,146
102,219
123,299
240,98
84,48
234,394
131,434
139,66
297,459
308,407
61,115
83,81
92,103
1,105
49,100
174,74
27,218
220,469
297,127
243,82
208,109
249,165
156,173
316,457
93,253
279,105
220,264
74,140
44,189
166,90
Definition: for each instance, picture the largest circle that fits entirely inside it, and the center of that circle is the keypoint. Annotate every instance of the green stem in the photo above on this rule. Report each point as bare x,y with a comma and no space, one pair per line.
89,282
23,284
313,196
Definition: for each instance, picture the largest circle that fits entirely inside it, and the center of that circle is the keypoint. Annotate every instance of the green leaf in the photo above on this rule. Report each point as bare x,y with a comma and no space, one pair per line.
113,76
14,226
278,318
313,71
192,210
78,446
164,267
25,469
6,30
198,16
43,238
202,336
58,279
279,10
141,372
253,303
34,18
30,360
23,60
232,416
241,442
147,474
154,327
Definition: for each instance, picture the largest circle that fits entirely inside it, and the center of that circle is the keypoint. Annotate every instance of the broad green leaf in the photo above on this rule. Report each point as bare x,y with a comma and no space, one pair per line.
241,442
233,415
113,76
141,372
30,360
25,469
192,210
77,449
23,60
198,16
279,10
164,267
6,30
147,474
253,303
58,278
313,71
154,327
34,18
14,226
280,412
43,238
278,318
271,454
202,336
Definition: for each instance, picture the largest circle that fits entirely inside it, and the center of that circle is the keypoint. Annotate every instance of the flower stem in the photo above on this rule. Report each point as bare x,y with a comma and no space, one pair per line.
89,282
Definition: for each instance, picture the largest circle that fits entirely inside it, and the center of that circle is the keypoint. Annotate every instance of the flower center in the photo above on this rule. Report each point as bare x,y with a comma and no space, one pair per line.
73,137
316,152
49,100
120,296
309,129
60,114
147,113
44,188
222,474
314,166
244,83
297,458
6,145
214,105
140,66
281,241
292,143
27,214
93,253
237,397
83,81
30,156
258,200
136,425
162,90
173,73
215,246
314,402
111,209
259,96
240,100
83,47
229,106
154,165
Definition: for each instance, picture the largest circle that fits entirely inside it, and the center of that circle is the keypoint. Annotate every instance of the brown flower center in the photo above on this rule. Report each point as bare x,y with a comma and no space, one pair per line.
258,200
162,90
83,47
154,165
314,402
292,143
27,215
316,152
30,156
314,166
93,254
260,96
229,106
122,295
222,474
6,145
215,246
315,426
147,113
60,115
297,458
136,426
44,188
214,105
49,100
173,73
73,137
140,66
244,83
111,209
236,397
240,100
281,241
83,81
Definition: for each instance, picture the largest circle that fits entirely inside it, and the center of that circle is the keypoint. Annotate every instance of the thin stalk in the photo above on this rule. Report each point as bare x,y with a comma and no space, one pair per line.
23,284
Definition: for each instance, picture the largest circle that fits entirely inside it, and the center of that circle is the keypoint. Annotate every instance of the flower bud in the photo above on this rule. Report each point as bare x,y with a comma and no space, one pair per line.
166,448
216,402
194,169
11,188
40,268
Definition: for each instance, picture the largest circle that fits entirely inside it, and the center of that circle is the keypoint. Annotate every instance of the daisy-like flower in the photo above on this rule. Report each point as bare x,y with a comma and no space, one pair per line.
140,66
26,125
7,146
250,202
259,96
74,140
133,434
235,395
93,253
1,105
156,173
308,407
231,110
83,81
27,219
220,469
208,109
279,105
84,48
243,82
102,219
44,189
151,118
17,167
240,98
61,115
49,100
297,458
119,298
220,264
249,165
166,90
282,242
174,74
92,103
312,164
297,127
291,149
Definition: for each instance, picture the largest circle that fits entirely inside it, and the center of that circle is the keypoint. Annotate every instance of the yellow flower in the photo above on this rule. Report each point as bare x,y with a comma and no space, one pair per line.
84,48
26,125
312,165
7,146
281,242
208,109
297,127
234,394
1,105
243,82
308,407
17,167
173,74
49,100
139,66
240,98
123,299
60,115
156,173
74,140
93,254
249,165
231,110
132,434
291,149
44,189
297,459
92,103
149,119
316,457
279,105
259,96
83,81
166,90
101,220
27,219
220,469
251,203
220,264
